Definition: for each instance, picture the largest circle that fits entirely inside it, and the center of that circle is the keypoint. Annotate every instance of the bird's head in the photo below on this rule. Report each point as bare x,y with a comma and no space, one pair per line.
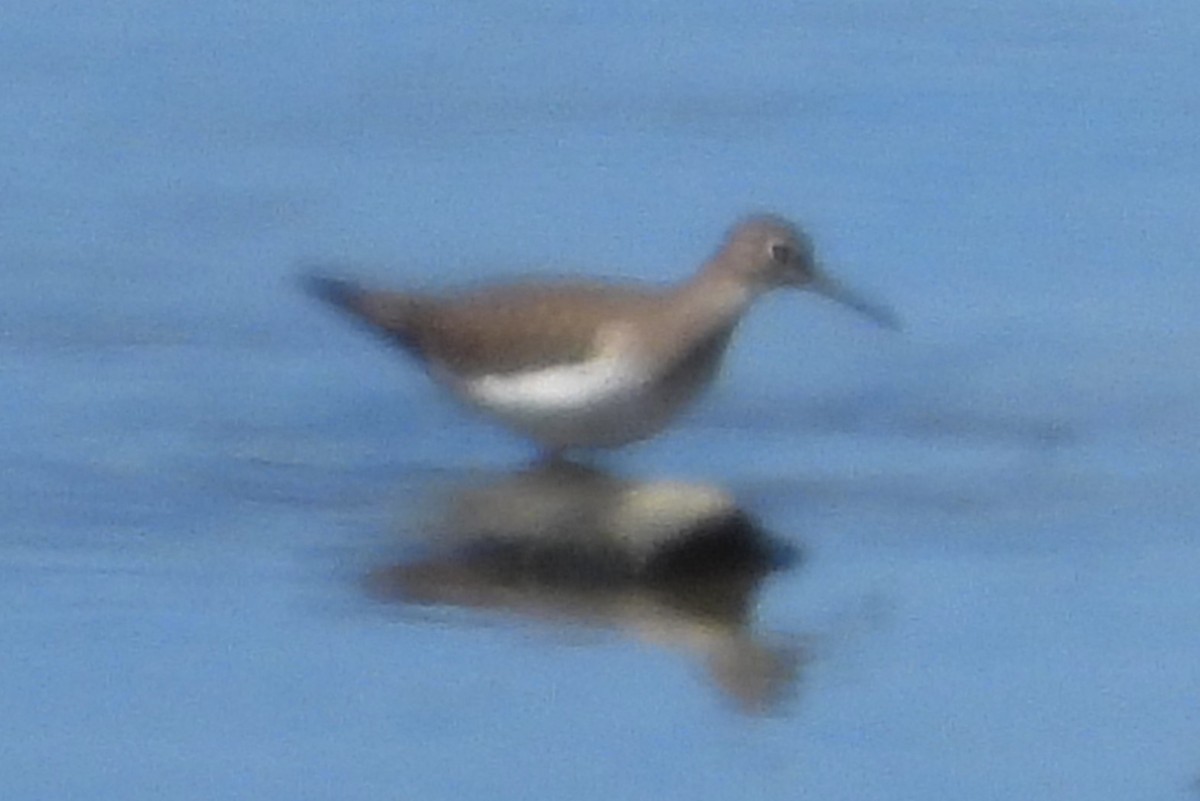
766,252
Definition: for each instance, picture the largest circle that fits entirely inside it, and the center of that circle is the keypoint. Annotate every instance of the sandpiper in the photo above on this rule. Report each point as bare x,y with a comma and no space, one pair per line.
588,364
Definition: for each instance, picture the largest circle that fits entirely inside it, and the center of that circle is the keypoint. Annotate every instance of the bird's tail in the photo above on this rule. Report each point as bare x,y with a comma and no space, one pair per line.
387,313
337,292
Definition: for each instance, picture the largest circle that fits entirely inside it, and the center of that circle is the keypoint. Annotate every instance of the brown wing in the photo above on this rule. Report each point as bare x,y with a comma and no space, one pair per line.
500,329
519,327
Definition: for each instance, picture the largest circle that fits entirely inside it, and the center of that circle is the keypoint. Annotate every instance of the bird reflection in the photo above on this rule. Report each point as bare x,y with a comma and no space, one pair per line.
673,564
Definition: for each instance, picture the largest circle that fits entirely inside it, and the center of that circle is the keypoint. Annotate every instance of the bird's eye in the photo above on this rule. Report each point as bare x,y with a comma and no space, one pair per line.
781,253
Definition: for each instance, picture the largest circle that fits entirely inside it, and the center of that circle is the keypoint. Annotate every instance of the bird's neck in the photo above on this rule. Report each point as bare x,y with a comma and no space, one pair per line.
699,312
715,295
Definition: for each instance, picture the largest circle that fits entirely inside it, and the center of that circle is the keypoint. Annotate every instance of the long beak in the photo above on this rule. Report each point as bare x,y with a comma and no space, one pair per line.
835,290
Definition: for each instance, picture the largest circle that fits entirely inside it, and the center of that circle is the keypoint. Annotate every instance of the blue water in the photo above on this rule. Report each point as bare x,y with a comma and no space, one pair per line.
202,470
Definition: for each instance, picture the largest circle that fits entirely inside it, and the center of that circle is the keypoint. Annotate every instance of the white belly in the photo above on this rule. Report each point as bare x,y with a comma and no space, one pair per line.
605,402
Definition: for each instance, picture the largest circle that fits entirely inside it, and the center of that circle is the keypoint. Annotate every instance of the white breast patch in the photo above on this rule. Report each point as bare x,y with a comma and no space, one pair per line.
608,399
553,389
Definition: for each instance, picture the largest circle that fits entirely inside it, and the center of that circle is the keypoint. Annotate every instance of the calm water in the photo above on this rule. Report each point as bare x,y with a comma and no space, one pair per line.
209,482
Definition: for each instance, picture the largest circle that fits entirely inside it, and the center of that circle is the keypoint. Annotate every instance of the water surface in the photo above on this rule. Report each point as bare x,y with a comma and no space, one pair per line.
204,473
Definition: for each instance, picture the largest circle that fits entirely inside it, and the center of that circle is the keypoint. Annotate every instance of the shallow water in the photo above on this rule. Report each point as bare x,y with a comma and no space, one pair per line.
205,476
